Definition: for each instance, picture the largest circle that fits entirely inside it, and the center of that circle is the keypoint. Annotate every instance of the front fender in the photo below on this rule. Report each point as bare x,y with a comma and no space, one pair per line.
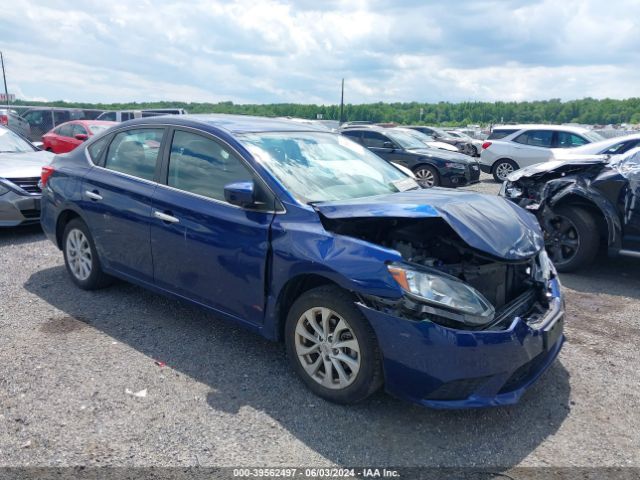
557,191
301,246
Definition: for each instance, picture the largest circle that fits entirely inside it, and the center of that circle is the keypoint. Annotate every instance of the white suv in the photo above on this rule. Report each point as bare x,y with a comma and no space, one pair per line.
512,147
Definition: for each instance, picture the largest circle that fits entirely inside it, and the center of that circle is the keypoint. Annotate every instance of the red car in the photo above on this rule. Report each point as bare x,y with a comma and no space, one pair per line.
68,136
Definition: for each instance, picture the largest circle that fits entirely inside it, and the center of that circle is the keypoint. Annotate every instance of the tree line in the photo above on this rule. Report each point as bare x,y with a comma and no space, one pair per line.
586,110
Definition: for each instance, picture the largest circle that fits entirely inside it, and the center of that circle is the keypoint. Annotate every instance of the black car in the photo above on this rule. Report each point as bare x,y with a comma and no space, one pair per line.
431,167
442,136
582,204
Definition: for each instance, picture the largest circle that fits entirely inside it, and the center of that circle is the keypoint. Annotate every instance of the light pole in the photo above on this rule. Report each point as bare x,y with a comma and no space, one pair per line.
4,76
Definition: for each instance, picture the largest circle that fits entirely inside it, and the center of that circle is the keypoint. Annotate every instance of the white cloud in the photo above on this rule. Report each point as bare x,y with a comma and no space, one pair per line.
277,51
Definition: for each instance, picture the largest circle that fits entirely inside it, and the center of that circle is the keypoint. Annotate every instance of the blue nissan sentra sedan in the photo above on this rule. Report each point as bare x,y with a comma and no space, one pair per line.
447,298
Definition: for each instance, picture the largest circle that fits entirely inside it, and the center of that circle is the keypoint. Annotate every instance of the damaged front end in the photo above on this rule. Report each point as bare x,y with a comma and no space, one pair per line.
473,327
447,282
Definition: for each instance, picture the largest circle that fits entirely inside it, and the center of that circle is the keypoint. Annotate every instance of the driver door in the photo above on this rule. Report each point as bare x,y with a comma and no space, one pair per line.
204,248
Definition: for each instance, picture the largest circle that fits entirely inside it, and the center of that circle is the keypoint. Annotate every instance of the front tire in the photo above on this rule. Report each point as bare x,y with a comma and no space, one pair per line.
81,258
332,347
571,238
427,176
502,168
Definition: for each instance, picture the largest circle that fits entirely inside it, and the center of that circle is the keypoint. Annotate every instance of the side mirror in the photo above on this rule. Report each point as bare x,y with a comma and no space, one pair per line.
81,136
388,144
240,193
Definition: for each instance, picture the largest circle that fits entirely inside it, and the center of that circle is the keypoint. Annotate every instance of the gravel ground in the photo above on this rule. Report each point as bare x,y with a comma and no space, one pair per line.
72,362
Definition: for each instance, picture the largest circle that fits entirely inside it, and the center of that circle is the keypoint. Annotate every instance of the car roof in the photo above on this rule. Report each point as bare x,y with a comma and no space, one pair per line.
231,123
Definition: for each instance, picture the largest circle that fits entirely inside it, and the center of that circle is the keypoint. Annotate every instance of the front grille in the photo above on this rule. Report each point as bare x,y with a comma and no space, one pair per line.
28,184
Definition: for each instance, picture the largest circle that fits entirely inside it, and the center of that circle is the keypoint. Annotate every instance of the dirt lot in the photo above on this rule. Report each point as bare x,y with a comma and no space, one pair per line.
72,362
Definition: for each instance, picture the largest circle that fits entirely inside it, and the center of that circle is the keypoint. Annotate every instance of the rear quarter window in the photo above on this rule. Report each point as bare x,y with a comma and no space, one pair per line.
501,133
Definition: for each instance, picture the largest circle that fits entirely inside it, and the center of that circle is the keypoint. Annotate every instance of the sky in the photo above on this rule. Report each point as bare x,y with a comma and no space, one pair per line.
276,51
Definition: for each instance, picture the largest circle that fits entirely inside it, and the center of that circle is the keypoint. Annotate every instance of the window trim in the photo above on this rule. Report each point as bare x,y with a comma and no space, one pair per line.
164,170
552,144
165,151
113,135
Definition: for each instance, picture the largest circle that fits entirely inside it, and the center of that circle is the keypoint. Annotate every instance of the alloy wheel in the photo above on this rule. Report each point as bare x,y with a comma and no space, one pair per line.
327,348
79,256
503,170
425,177
561,239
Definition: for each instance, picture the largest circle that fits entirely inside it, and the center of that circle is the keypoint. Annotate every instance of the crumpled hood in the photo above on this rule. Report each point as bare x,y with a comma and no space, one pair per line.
546,167
444,155
26,164
487,223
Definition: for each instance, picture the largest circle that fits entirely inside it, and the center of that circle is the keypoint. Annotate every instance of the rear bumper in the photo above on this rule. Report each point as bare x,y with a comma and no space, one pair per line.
439,367
485,168
19,209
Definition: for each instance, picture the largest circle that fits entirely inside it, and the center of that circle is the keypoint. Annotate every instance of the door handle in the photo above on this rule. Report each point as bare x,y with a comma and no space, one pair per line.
165,217
93,195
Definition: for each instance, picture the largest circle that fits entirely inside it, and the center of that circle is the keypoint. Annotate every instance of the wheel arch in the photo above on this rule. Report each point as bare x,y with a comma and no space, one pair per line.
291,291
608,224
493,165
65,216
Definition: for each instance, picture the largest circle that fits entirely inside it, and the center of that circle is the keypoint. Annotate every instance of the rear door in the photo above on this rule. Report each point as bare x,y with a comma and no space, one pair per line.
116,199
204,248
64,141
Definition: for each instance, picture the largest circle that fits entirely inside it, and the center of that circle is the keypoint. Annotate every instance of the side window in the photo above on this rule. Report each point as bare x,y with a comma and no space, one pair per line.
66,130
96,148
135,152
108,116
500,133
373,139
78,130
353,135
202,166
621,147
61,116
535,138
570,140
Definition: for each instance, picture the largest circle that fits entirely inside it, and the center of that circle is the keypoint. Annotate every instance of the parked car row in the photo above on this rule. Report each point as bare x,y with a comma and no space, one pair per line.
34,122
432,167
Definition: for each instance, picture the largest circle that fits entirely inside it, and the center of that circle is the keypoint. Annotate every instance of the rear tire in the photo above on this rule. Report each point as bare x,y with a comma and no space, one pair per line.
81,257
502,168
571,238
325,332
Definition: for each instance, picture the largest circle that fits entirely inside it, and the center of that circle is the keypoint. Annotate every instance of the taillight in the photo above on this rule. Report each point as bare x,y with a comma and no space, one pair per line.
4,119
44,176
486,145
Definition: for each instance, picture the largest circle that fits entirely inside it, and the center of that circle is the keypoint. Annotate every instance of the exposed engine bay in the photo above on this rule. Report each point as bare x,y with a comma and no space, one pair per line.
432,243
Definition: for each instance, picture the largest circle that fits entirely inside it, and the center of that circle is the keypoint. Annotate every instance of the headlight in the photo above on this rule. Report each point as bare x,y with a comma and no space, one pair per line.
3,189
446,292
512,191
457,166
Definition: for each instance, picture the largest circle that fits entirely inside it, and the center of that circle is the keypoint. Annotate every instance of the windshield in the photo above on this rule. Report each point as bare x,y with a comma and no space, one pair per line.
422,137
592,136
96,129
12,142
404,139
317,167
